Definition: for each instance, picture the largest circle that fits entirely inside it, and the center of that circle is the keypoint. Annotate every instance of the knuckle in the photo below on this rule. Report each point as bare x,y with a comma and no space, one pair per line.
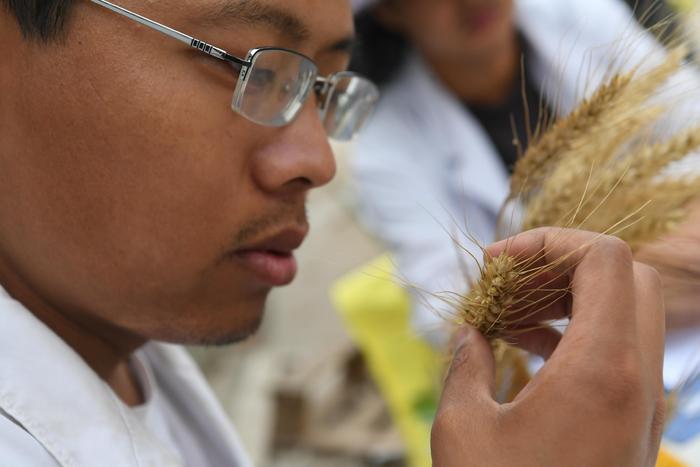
649,276
615,388
446,422
623,385
628,368
455,425
614,248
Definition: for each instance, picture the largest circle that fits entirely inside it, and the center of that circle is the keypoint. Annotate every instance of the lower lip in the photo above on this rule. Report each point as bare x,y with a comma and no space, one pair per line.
275,269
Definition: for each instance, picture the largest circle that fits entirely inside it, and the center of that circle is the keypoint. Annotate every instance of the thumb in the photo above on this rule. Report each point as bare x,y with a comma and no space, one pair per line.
470,380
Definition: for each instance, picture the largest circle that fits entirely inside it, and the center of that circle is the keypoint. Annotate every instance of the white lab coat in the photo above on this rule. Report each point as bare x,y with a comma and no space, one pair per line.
425,170
55,411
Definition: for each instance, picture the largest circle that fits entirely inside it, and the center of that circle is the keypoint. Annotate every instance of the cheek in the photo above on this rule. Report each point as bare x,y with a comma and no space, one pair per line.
119,196
447,31
435,28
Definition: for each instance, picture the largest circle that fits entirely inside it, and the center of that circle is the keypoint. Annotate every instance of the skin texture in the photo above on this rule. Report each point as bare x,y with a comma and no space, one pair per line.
126,180
471,44
598,400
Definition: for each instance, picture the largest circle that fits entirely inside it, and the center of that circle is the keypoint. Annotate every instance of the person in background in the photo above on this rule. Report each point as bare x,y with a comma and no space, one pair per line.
462,82
141,204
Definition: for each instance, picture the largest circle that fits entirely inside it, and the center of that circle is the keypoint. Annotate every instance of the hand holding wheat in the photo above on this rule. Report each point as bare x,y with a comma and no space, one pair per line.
606,368
602,169
597,169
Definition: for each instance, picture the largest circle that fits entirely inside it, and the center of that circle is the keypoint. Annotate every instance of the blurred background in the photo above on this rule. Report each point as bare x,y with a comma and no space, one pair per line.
302,391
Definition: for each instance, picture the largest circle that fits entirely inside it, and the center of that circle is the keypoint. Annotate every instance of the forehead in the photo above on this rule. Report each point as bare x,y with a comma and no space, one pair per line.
303,20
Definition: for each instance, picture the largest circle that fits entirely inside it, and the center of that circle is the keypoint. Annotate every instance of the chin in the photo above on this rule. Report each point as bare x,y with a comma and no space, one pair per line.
218,338
223,326
211,336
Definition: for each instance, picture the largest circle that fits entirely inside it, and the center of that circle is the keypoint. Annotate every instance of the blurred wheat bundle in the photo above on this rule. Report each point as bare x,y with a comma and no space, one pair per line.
602,168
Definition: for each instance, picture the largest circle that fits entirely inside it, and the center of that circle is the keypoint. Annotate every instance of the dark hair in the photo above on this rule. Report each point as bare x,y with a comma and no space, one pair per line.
380,53
39,19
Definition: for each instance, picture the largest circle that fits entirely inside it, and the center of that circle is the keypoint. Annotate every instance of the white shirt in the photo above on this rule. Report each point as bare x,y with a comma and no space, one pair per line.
55,411
164,420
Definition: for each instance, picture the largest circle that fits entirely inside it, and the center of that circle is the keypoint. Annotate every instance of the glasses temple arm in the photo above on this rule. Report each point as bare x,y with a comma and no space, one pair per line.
182,37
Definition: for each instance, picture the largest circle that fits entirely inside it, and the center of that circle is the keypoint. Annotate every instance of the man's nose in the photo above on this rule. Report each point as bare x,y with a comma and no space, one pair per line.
298,156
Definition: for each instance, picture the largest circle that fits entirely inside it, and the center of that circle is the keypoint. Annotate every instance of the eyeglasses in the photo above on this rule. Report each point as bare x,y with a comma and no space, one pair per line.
274,84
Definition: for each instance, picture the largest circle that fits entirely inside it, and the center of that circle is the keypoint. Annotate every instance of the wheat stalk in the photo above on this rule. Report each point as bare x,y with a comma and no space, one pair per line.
613,103
592,185
542,154
587,173
646,162
668,203
486,306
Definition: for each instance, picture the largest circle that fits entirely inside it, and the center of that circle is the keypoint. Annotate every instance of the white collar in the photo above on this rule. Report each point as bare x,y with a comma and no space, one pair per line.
54,395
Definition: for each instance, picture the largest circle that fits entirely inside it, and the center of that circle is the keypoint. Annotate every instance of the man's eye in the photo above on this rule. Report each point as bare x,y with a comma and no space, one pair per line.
261,79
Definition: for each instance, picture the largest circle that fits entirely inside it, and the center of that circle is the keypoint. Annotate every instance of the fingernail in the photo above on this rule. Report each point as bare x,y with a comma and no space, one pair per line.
462,336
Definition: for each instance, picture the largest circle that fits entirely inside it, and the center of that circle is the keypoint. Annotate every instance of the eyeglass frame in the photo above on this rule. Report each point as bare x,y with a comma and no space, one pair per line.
322,86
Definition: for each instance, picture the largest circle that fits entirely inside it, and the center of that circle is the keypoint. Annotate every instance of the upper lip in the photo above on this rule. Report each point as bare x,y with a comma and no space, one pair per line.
284,242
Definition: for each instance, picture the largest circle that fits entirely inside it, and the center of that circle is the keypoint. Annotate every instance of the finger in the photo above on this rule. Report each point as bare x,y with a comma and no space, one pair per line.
470,380
540,341
651,323
651,327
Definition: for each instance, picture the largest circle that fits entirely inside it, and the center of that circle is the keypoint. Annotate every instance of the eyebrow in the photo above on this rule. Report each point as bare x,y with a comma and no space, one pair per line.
254,12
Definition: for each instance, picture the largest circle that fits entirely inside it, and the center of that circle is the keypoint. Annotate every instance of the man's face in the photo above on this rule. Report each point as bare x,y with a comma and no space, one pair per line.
131,195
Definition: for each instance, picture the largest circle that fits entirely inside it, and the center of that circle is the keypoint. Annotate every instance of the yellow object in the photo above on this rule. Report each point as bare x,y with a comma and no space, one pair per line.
407,370
376,312
667,460
683,6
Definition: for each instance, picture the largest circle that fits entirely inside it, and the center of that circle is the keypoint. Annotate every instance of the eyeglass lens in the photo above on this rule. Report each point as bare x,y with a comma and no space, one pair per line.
349,104
276,88
279,82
